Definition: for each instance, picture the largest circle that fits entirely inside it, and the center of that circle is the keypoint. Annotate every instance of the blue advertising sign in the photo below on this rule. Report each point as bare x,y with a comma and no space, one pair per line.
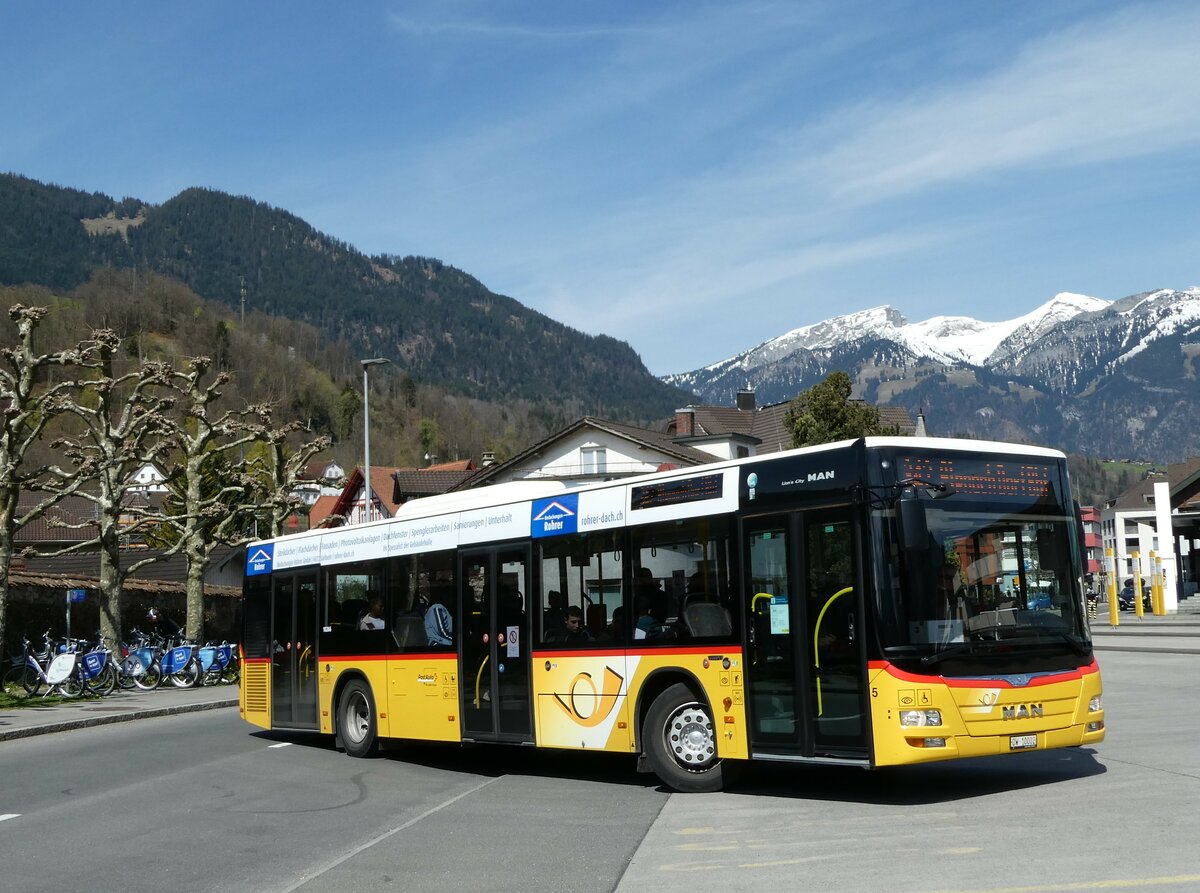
77,595
555,515
259,558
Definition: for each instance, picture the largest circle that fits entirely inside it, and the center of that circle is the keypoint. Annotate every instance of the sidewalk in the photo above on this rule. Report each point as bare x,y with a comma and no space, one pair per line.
120,706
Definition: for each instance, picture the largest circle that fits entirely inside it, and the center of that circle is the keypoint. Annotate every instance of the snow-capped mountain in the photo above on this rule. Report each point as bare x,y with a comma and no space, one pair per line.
1082,373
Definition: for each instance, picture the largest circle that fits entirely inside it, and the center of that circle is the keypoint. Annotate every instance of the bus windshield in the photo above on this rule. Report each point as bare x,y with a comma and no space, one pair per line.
995,590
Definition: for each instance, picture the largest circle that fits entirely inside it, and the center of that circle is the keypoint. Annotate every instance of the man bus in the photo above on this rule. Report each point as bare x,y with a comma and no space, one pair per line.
875,602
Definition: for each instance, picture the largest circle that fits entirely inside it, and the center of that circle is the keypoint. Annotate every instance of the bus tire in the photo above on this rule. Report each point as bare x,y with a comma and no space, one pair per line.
680,742
356,719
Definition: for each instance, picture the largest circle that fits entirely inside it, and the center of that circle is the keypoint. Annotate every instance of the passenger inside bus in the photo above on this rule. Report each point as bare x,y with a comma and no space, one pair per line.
575,631
372,618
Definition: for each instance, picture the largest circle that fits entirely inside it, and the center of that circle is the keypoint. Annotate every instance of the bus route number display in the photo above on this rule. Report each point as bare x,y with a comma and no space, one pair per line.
656,495
976,477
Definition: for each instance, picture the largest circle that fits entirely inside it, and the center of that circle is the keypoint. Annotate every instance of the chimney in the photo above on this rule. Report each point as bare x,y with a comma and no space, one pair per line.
489,458
745,400
685,422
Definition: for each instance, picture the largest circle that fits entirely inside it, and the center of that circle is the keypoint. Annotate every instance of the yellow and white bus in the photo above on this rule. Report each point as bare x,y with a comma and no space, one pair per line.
875,602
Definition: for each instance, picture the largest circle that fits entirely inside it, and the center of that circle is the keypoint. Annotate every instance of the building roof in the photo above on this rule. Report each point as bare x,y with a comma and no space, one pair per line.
766,424
87,565
322,509
1185,484
382,487
61,582
682,454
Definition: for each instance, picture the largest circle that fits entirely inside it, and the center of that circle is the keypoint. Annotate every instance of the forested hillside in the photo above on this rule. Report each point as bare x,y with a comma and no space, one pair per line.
440,326
309,377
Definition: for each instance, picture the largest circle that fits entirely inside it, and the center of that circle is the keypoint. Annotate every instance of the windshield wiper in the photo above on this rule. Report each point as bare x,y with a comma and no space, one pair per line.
956,649
1077,646
960,648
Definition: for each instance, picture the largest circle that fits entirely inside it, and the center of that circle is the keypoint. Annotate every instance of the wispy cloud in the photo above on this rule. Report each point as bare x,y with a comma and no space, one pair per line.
1118,88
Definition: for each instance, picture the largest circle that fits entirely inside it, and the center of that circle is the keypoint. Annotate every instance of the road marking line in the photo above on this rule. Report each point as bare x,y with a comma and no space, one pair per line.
329,866
4,817
1121,883
284,744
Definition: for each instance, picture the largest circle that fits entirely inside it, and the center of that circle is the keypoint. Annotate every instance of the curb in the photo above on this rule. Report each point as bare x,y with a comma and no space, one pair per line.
65,725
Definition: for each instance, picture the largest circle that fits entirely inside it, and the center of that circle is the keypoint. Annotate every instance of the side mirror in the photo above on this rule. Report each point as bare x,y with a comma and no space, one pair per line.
914,528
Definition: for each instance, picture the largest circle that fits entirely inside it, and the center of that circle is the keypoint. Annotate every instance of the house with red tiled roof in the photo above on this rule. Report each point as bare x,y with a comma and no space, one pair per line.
322,509
390,489
324,477
349,506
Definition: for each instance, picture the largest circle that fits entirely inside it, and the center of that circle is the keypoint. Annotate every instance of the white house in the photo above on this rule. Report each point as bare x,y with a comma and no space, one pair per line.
591,450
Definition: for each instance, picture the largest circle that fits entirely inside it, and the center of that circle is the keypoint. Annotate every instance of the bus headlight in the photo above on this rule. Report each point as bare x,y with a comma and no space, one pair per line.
910,718
1096,704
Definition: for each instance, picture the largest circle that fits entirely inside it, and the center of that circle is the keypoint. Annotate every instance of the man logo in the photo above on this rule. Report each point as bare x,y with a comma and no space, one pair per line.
1023,711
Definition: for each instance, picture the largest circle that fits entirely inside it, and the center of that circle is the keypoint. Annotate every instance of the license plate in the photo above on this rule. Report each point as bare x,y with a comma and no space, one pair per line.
1022,742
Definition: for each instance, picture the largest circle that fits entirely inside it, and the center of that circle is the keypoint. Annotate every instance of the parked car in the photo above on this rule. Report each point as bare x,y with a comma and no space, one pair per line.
1125,597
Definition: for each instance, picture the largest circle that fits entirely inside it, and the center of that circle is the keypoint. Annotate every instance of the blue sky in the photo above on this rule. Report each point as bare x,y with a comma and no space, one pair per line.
691,177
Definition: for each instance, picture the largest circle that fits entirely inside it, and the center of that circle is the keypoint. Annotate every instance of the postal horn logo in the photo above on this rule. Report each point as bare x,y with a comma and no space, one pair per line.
556,515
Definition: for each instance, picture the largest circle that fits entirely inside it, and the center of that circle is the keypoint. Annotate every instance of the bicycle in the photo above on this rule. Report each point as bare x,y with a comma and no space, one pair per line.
58,669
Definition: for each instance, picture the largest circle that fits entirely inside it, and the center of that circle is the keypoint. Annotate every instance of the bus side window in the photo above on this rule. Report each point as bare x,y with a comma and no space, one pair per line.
437,599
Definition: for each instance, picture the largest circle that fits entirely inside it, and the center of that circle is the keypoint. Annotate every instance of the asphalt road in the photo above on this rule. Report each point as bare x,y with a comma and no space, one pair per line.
202,801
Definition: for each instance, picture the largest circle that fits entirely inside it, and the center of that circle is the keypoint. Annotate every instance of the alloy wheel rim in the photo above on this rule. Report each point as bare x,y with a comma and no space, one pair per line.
690,739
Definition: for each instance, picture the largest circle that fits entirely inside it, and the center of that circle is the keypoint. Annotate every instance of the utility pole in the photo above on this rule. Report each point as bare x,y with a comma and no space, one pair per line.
367,364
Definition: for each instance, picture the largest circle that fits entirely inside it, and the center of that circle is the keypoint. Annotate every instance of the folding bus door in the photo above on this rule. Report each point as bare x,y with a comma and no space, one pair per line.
805,678
494,677
293,647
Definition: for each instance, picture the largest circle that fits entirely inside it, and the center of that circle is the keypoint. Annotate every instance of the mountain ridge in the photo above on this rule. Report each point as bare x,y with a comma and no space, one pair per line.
1081,373
437,323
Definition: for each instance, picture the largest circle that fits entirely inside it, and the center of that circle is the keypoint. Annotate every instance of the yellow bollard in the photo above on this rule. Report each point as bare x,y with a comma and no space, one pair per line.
1156,589
1114,616
1137,585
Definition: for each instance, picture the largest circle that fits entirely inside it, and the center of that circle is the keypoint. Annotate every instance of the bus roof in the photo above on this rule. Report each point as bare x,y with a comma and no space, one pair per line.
524,492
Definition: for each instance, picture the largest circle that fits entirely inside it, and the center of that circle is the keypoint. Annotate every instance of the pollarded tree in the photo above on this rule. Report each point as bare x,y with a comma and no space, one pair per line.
27,405
825,413
211,493
276,466
123,424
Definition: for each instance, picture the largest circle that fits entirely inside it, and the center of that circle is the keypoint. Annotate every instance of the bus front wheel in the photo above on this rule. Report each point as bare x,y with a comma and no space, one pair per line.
356,719
680,742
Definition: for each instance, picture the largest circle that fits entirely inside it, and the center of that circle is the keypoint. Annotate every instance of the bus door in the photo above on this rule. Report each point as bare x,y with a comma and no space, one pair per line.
494,675
804,643
293,654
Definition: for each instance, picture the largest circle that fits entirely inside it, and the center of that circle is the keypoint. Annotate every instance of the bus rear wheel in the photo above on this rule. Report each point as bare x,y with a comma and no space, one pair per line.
356,719
680,742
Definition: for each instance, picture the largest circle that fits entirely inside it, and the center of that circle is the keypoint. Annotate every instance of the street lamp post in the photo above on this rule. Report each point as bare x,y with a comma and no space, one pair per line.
366,364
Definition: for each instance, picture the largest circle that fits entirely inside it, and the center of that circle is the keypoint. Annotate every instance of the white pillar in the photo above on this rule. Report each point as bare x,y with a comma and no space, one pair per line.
1166,544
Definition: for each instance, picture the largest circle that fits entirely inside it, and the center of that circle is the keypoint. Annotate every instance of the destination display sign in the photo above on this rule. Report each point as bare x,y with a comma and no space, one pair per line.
1017,478
677,492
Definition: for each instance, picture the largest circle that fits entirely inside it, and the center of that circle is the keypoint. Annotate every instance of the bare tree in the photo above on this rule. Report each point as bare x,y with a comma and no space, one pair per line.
27,408
277,469
124,423
209,506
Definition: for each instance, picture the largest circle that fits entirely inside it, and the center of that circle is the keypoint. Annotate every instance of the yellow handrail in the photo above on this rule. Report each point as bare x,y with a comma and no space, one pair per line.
816,643
478,681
